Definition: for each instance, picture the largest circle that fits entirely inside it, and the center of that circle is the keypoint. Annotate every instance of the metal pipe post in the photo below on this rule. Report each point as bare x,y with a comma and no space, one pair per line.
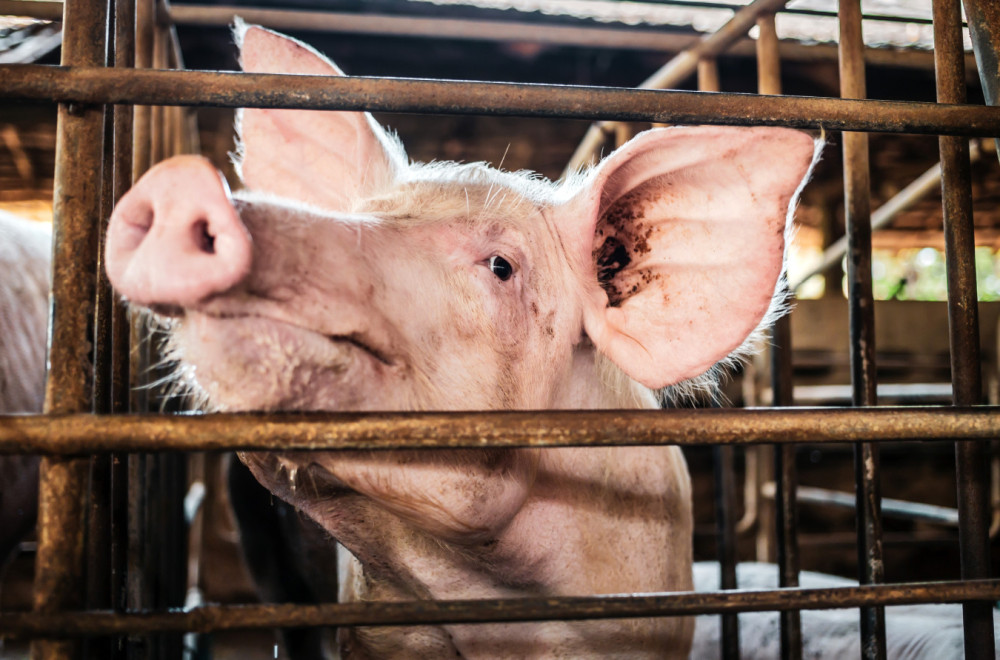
857,203
972,460
785,472
59,568
125,15
724,472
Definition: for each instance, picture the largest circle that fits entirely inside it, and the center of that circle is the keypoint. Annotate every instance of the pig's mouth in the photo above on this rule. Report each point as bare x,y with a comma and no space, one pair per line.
359,342
355,339
255,360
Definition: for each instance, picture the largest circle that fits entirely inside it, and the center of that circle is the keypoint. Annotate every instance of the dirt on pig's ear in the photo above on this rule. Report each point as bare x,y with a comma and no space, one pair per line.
329,159
680,239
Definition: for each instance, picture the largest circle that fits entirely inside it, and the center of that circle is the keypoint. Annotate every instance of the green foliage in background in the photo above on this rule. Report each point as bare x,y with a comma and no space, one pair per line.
919,274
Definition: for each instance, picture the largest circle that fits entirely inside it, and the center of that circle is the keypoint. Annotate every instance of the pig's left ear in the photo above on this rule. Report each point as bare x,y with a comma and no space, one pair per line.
329,159
680,236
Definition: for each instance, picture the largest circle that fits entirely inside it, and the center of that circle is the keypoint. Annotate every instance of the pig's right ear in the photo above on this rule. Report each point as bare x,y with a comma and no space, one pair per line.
679,238
330,159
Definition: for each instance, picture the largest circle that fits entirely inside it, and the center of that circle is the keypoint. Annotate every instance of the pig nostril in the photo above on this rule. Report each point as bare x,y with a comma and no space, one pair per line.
204,240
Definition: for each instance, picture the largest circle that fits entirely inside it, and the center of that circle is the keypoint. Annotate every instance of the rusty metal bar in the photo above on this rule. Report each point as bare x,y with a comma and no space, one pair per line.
208,619
123,145
768,58
786,489
98,535
158,124
782,386
725,507
59,567
901,509
708,75
724,471
210,88
984,29
82,434
971,459
99,594
142,140
135,584
163,562
857,204
120,328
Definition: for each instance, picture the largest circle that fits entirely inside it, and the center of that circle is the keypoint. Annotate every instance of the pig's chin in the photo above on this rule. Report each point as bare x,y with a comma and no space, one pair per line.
248,363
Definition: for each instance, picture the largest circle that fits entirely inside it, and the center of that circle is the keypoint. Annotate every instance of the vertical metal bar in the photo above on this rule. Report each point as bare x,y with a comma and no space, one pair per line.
120,327
785,472
764,543
708,75
725,506
159,140
768,60
984,28
971,458
143,60
786,485
135,574
725,474
136,584
59,570
165,518
862,327
99,491
123,172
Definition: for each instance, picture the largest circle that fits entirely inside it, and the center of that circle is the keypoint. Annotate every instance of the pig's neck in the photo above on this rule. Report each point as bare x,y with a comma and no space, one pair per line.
596,383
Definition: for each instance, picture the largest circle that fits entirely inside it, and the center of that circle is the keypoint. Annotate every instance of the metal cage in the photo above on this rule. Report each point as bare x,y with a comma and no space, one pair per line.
90,458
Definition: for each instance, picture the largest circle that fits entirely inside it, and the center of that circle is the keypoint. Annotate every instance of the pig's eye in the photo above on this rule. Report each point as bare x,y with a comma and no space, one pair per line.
501,268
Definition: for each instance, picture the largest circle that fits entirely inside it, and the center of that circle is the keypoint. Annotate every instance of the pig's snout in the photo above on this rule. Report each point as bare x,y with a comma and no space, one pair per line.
175,239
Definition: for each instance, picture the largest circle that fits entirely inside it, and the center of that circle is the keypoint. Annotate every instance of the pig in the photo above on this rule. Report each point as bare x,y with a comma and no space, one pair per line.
25,259
344,277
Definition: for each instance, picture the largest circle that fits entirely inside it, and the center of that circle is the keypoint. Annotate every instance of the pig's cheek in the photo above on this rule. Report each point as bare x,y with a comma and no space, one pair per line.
254,364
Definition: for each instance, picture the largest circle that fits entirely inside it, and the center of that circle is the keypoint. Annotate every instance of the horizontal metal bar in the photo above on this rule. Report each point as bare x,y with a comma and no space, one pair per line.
213,618
891,508
84,434
203,88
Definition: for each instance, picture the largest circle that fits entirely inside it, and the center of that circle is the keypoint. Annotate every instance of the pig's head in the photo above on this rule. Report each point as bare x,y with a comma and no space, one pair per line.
344,277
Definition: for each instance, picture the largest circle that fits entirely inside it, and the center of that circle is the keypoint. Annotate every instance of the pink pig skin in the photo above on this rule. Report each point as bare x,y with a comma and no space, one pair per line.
344,278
